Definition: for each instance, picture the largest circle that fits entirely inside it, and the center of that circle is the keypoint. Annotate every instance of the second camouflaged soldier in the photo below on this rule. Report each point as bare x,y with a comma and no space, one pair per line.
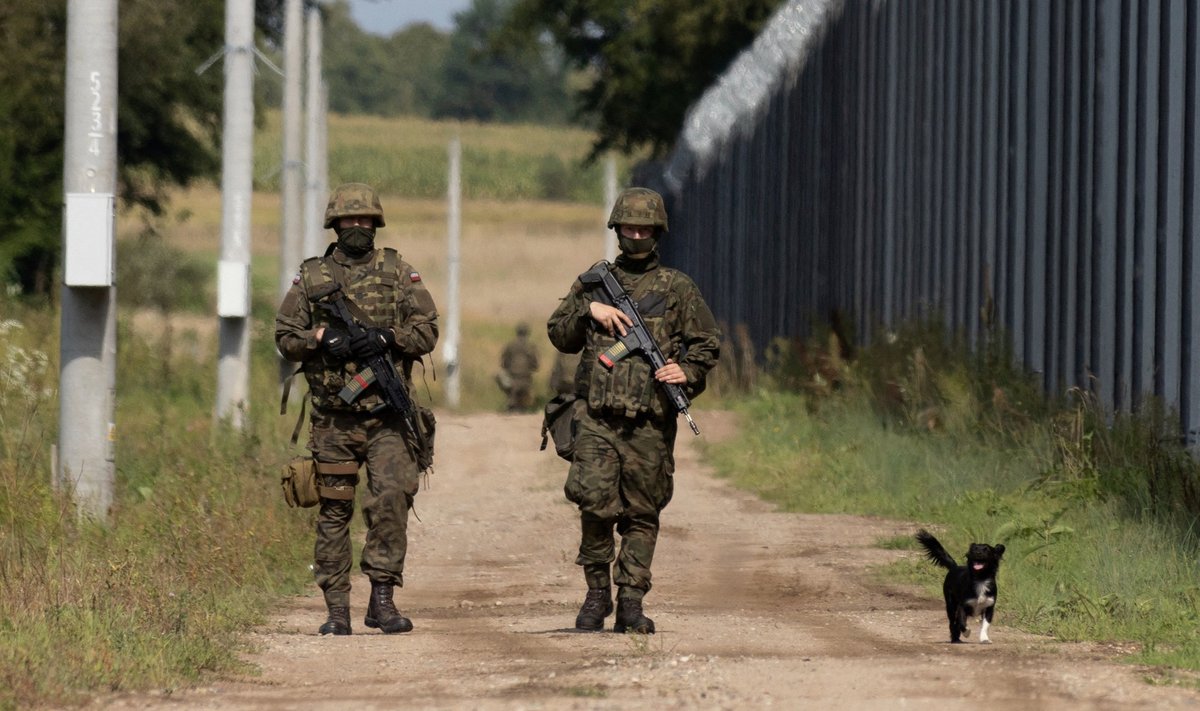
622,474
518,363
391,300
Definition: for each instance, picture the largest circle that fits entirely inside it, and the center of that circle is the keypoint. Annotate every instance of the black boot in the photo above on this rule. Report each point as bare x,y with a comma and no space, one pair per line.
338,621
596,606
382,612
630,617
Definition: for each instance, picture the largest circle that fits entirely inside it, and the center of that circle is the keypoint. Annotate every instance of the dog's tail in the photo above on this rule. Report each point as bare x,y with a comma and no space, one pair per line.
934,550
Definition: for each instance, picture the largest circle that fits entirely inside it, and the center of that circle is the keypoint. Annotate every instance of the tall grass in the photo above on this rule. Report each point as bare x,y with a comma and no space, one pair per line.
198,543
1097,511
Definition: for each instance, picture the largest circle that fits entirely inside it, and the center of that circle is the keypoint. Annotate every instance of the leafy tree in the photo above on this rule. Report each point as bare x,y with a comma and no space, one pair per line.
646,60
486,81
385,76
168,119
30,135
417,53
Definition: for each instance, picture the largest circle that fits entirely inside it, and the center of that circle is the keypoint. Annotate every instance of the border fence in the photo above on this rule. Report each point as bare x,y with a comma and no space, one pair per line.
1023,165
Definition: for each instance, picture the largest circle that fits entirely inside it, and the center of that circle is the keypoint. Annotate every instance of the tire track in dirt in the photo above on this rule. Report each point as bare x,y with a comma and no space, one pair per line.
754,607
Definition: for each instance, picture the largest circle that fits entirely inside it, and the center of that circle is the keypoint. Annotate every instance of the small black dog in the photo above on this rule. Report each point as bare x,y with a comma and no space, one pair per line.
970,589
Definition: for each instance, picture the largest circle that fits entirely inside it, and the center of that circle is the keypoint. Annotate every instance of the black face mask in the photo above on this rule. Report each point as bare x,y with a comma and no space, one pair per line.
637,246
356,241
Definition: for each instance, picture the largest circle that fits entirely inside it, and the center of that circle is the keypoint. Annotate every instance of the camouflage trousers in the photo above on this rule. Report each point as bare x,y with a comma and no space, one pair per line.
392,482
520,393
621,478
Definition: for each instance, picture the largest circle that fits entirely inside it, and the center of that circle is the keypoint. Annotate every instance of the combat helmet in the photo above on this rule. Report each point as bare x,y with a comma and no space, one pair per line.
353,200
639,206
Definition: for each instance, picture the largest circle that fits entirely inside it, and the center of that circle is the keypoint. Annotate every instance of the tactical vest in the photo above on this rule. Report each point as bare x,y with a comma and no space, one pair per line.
374,289
629,389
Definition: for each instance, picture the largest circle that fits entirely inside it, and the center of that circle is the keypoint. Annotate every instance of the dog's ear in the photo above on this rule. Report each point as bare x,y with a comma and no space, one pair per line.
999,548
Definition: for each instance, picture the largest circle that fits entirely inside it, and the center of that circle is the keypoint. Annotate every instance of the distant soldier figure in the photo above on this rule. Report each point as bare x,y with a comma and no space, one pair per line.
622,473
518,363
387,296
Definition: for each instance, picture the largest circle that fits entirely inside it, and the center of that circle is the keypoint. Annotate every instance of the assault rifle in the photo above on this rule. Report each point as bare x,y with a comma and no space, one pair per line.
637,338
377,370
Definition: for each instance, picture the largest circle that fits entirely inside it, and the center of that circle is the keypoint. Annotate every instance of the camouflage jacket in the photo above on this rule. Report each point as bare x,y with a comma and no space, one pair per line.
387,289
679,321
519,358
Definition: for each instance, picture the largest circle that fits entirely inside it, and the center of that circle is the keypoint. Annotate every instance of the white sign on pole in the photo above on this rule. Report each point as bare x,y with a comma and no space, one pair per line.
88,223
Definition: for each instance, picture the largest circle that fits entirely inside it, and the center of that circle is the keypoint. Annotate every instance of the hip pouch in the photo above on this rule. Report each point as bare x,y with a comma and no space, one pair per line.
560,422
299,482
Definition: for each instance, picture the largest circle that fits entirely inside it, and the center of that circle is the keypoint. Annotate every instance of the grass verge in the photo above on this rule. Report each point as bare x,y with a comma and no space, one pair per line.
1097,511
199,541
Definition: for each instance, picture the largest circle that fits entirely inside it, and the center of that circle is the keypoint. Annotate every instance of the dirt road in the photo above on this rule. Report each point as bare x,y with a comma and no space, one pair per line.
754,608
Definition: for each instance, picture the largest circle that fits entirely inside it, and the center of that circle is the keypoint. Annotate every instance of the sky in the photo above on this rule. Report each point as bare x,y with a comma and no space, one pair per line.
383,17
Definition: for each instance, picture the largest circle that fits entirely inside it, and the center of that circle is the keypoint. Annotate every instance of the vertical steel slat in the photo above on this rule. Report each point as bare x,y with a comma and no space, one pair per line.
1015,313
1037,352
1126,206
1190,376
1083,370
973,233
1105,201
1144,258
1170,258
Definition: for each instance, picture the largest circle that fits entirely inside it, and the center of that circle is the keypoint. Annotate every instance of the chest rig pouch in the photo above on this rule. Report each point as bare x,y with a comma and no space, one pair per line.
629,389
373,289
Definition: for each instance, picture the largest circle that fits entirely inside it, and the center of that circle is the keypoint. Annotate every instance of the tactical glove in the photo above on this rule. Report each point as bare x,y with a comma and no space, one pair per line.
336,342
372,342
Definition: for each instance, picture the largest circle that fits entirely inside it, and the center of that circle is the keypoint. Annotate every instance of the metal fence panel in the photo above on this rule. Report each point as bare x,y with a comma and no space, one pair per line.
1017,167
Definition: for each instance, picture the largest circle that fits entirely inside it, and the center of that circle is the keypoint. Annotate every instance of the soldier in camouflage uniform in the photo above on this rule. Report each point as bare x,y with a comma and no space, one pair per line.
390,295
622,473
518,362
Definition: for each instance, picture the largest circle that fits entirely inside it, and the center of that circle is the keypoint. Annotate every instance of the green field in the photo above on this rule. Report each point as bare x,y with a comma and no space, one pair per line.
409,156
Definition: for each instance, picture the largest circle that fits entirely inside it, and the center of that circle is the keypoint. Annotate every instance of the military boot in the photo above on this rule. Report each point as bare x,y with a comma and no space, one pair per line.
596,606
382,613
630,617
338,621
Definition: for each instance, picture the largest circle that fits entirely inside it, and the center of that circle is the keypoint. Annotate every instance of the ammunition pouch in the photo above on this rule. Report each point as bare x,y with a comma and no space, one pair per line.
299,482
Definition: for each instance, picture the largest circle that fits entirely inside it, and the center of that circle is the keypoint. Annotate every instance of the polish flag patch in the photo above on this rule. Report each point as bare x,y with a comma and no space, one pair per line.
414,276
296,279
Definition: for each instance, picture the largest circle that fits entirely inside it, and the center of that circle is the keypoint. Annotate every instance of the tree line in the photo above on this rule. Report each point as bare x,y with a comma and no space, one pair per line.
627,69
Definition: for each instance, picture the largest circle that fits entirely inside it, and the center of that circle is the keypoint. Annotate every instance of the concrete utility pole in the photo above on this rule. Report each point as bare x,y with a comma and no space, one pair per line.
88,351
453,232
314,165
233,275
291,204
610,197
291,233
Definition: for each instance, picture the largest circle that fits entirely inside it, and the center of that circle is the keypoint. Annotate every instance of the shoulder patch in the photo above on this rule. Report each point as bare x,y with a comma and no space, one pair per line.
414,276
296,279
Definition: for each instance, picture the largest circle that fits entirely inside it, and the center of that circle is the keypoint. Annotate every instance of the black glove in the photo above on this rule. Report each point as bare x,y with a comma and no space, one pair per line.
336,342
372,342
